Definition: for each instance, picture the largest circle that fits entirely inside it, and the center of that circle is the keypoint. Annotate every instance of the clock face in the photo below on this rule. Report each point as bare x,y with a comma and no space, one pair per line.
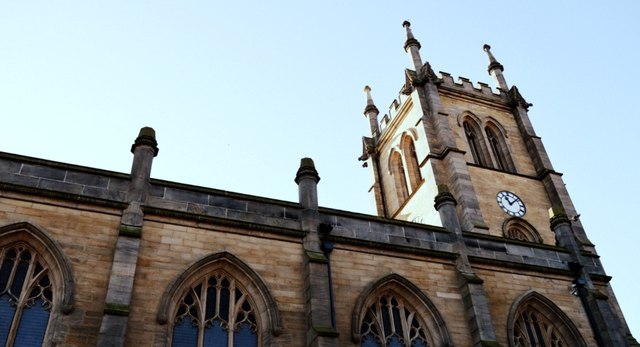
511,204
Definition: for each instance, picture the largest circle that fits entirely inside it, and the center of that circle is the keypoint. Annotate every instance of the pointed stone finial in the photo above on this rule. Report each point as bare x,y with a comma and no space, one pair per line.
412,46
493,63
371,107
371,112
411,41
495,69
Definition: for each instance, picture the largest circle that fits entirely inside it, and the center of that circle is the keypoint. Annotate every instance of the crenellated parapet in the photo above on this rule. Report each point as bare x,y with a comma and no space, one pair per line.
482,90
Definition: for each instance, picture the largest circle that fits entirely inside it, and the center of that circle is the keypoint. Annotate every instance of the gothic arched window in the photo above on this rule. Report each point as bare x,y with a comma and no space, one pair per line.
36,287
26,296
215,311
389,322
219,301
476,143
399,178
392,311
535,321
413,167
499,149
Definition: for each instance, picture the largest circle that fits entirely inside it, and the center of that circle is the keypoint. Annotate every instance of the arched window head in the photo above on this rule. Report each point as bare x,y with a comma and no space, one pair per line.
399,178
215,311
499,149
36,286
219,301
535,321
519,229
394,312
413,167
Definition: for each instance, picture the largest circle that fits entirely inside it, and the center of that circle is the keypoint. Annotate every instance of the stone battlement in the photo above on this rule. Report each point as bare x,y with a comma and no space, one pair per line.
466,85
446,80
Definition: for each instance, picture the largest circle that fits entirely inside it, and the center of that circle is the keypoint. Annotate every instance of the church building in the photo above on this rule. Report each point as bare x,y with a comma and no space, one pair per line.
476,242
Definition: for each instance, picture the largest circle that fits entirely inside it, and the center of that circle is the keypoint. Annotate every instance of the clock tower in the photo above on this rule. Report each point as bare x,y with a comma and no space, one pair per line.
476,147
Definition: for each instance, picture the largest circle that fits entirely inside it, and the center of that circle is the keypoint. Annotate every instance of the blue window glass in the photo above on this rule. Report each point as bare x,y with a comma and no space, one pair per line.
215,335
21,272
6,316
394,341
370,341
33,325
245,337
185,334
225,306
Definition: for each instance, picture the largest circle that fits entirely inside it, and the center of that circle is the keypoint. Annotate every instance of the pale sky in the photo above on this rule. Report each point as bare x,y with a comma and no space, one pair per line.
239,91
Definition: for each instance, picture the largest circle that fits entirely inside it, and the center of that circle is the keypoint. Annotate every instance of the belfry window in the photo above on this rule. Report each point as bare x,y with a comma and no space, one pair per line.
399,178
26,297
474,144
215,311
413,167
496,150
388,322
499,149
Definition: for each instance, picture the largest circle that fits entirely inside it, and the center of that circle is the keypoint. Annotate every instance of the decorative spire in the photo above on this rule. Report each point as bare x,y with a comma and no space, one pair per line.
412,46
371,112
495,69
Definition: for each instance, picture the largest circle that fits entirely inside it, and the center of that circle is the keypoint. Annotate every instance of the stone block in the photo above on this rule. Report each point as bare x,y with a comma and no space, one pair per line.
60,186
174,194
43,172
87,179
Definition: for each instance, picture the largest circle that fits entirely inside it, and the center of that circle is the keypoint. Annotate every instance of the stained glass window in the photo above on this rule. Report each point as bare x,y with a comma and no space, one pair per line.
214,312
26,297
388,322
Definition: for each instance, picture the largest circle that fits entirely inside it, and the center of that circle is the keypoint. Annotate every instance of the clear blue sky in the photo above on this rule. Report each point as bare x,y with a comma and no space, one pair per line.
239,91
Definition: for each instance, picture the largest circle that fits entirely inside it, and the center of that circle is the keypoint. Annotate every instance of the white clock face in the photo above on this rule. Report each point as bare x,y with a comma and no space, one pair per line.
511,204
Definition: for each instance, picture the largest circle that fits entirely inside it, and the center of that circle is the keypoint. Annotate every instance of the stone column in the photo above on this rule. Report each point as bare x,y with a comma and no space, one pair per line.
470,285
605,323
320,331
123,269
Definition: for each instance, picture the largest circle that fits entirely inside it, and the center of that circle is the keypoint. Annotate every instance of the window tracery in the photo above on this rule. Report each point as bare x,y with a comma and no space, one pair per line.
519,229
393,311
26,296
215,311
535,321
389,322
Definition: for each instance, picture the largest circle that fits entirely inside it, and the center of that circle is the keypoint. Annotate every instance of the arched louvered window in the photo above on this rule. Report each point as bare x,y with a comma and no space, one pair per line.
534,321
519,229
499,149
389,322
399,178
475,144
26,296
413,167
215,311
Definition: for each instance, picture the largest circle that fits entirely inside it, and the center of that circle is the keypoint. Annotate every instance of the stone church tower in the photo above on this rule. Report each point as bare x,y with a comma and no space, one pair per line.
476,244
473,151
